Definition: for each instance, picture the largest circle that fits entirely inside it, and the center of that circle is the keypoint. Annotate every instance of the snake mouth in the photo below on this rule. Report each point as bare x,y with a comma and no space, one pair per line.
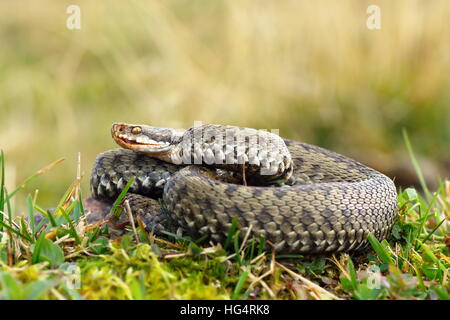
134,142
149,145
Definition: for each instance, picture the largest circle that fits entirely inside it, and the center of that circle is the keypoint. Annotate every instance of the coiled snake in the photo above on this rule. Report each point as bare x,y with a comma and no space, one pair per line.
299,197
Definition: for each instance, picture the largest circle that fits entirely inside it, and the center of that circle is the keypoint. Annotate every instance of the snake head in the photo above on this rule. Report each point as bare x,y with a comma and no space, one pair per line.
143,138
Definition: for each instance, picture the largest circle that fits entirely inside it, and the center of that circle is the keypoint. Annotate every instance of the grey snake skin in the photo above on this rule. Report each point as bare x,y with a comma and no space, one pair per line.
325,202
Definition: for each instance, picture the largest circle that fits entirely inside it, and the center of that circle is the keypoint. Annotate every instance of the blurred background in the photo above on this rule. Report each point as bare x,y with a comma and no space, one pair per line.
311,69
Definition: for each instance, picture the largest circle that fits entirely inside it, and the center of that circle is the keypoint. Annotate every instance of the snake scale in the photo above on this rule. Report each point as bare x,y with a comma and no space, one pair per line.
301,198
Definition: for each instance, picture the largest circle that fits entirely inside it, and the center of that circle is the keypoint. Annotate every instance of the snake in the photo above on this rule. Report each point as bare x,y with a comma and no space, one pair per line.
297,197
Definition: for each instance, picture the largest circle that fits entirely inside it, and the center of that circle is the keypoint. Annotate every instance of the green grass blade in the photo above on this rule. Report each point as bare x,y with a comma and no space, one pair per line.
434,230
423,218
231,233
262,243
46,214
442,293
252,250
236,247
24,228
416,165
384,255
37,288
8,206
239,285
37,248
31,214
2,186
352,273
30,178
66,215
10,287
13,230
115,207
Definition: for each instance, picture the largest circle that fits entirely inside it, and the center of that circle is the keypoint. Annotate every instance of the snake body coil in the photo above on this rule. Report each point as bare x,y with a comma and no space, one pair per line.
326,203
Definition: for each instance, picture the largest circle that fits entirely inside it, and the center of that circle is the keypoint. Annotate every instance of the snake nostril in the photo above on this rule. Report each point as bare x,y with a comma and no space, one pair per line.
117,128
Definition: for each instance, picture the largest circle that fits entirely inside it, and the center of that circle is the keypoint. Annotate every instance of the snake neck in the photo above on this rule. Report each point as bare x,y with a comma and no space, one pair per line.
257,152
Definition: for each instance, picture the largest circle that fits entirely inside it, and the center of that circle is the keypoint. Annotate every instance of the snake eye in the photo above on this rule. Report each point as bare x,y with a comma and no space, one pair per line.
136,130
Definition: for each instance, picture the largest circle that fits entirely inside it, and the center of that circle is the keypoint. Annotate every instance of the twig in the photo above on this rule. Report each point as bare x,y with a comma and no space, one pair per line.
57,294
257,279
176,255
130,216
205,251
257,258
339,265
263,283
243,174
167,242
309,283
9,249
247,234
